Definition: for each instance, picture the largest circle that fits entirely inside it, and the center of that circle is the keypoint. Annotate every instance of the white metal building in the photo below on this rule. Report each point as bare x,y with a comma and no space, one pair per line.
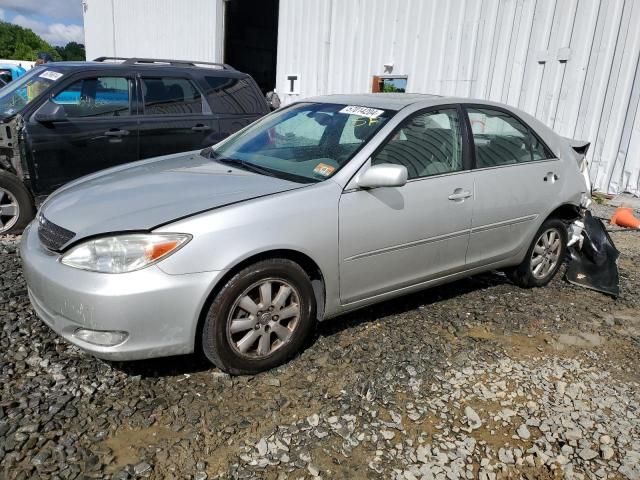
572,63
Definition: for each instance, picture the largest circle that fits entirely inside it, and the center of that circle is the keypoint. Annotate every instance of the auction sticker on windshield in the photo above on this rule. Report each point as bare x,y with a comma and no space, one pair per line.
362,111
51,75
324,169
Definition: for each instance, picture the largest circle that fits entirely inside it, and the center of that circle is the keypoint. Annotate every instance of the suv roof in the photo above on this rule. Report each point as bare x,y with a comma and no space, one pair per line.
161,61
145,63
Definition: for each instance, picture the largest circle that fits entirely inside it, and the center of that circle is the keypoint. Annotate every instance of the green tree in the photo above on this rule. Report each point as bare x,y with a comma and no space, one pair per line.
17,43
72,51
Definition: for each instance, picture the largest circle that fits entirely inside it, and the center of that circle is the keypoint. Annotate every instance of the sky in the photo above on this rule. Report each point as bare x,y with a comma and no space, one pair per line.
55,21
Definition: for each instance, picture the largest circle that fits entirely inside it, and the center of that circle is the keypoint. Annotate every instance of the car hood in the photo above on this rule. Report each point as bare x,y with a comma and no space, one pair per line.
150,193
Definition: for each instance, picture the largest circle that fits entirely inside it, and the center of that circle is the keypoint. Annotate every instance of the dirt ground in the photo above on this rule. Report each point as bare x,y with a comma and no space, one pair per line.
391,391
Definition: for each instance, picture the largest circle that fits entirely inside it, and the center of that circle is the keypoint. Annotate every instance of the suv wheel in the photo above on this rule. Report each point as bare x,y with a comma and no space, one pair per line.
260,318
544,257
16,206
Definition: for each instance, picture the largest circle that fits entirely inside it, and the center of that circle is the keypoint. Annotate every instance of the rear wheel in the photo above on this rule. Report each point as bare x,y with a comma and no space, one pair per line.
16,206
260,318
544,257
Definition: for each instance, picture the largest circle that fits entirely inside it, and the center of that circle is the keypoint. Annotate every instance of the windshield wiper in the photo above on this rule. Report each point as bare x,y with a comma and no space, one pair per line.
243,164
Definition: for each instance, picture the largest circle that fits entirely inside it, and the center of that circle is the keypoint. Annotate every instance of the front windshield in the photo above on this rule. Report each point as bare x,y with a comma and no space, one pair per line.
307,142
17,94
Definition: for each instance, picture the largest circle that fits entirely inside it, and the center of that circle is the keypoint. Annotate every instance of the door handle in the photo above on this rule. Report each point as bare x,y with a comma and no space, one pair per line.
201,128
459,195
551,177
116,133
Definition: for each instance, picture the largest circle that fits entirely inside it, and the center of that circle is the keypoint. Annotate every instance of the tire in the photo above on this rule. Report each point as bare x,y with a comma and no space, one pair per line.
16,204
529,273
242,349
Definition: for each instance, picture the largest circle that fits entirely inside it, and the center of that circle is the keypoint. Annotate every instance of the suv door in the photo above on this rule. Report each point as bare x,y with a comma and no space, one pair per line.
99,130
175,116
235,100
517,180
392,238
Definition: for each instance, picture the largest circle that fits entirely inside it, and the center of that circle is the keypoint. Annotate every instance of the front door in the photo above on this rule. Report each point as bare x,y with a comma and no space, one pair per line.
517,179
100,130
392,238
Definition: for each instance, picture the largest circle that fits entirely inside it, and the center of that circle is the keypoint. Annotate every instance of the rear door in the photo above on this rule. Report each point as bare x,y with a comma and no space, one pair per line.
517,179
100,130
175,116
235,99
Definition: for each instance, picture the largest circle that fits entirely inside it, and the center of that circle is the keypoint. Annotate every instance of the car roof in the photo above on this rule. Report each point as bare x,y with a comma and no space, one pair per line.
384,101
398,101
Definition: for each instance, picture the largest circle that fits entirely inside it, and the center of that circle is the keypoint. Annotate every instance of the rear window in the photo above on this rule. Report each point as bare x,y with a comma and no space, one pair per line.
234,96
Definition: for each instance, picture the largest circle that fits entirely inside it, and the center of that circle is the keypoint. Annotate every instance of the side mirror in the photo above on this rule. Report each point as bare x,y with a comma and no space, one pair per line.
50,112
383,175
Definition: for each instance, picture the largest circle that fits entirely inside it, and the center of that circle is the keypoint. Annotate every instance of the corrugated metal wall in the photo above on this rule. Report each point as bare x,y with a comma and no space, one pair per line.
571,63
184,29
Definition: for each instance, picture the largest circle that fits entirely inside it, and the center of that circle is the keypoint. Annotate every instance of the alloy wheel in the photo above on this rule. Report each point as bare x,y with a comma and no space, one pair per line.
263,318
546,253
9,210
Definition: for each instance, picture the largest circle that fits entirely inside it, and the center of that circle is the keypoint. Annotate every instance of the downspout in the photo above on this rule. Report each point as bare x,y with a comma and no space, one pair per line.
113,28
327,51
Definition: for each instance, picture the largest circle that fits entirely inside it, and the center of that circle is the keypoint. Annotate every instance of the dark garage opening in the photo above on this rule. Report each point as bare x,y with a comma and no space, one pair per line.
251,39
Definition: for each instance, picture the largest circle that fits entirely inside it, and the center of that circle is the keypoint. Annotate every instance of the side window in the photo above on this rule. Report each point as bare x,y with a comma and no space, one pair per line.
427,144
538,150
233,96
170,96
95,97
6,75
501,139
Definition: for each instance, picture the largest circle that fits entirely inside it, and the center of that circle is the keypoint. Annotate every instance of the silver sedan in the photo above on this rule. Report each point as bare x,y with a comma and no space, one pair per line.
325,206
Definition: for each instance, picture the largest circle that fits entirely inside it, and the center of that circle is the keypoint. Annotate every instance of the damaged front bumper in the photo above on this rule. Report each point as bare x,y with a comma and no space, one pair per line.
11,158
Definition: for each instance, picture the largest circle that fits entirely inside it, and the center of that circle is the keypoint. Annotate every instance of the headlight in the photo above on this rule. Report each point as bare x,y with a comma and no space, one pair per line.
124,253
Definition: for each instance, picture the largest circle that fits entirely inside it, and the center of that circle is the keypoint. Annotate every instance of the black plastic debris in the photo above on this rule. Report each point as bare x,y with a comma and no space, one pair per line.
595,265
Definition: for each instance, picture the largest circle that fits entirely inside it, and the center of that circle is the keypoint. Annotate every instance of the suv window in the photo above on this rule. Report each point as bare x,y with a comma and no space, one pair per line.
6,75
95,97
427,144
501,139
170,96
233,96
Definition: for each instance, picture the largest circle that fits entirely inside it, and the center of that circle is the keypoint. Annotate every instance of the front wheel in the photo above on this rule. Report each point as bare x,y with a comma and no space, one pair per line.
544,257
16,206
260,318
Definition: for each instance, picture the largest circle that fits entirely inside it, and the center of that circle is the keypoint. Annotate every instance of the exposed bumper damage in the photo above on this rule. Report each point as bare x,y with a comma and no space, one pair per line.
10,158
593,257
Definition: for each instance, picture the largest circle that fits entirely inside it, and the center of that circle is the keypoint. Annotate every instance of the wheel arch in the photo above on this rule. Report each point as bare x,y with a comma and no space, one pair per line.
566,211
305,261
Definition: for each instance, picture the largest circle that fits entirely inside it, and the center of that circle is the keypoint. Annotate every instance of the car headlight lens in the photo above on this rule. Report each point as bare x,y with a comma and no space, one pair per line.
124,253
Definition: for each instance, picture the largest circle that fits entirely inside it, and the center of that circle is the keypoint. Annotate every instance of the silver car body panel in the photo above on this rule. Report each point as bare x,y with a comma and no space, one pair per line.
418,234
170,187
160,312
369,245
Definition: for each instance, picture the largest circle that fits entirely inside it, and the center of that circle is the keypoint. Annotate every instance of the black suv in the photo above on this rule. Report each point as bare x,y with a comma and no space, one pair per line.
64,120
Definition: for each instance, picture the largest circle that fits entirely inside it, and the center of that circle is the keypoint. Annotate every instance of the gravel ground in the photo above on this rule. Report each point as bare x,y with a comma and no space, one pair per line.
477,379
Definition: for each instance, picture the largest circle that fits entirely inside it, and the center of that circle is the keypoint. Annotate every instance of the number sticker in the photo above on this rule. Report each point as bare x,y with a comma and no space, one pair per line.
51,75
362,111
